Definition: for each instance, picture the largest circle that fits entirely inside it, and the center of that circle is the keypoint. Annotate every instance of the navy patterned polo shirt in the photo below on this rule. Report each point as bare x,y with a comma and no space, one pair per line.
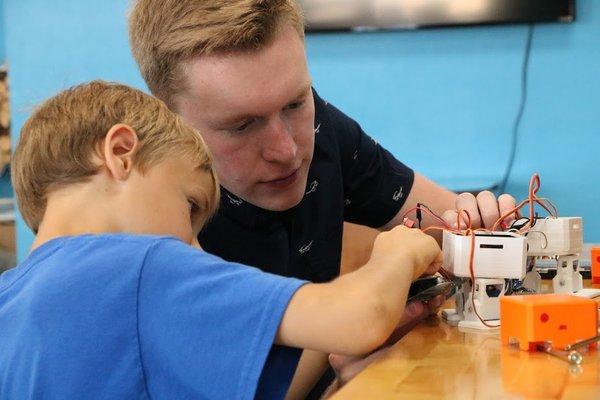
351,178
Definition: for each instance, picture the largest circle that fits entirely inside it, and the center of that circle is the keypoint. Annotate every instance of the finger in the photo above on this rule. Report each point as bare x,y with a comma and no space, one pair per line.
434,304
339,361
352,369
488,208
450,217
413,310
435,264
506,203
468,202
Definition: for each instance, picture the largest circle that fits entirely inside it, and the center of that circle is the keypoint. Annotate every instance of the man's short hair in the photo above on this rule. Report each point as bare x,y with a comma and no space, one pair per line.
164,33
58,142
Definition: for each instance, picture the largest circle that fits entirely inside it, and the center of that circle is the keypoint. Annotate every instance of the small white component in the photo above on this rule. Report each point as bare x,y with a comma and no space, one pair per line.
567,279
497,255
487,303
555,237
589,293
533,281
483,302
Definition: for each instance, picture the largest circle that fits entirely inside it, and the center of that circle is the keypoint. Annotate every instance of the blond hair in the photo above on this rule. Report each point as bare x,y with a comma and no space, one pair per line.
59,140
164,33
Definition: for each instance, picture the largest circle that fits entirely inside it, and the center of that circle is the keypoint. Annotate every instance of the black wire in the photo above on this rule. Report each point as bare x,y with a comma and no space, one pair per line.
5,171
418,213
519,223
521,110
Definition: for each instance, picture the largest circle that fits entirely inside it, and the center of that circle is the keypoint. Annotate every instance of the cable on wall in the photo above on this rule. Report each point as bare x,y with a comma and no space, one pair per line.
501,187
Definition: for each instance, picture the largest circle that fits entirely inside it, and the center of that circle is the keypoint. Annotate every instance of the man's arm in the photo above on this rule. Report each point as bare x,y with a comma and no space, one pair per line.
427,192
484,209
311,367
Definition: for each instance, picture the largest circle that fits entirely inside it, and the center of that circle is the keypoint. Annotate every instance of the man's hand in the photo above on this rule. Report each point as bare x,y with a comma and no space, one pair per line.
347,367
414,313
484,210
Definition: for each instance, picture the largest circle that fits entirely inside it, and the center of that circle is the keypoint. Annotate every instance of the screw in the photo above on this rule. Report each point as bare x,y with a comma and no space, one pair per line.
574,358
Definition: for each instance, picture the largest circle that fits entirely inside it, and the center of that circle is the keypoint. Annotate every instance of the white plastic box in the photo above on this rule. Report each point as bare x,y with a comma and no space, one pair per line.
497,255
555,236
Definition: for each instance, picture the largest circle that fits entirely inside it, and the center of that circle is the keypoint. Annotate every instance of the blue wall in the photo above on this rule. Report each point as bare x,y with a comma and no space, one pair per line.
2,39
445,101
5,187
442,100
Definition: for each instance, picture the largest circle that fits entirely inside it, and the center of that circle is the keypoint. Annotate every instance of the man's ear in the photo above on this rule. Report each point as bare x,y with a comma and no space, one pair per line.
120,145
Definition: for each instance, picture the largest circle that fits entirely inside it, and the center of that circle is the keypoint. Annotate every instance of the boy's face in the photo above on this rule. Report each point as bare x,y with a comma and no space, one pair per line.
171,198
255,112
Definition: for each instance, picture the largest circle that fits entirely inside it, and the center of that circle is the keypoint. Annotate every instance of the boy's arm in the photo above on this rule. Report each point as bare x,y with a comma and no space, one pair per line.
357,312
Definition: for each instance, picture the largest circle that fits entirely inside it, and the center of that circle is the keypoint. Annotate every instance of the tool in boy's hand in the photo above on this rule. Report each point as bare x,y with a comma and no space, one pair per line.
426,288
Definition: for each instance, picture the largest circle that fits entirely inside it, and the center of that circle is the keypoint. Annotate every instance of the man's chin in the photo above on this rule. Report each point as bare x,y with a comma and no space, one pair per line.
275,202
280,204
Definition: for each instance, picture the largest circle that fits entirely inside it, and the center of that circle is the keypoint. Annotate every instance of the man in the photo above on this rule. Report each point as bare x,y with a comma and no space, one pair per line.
292,167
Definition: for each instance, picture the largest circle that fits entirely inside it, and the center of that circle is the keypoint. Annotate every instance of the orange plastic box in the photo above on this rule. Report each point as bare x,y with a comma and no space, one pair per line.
562,319
595,257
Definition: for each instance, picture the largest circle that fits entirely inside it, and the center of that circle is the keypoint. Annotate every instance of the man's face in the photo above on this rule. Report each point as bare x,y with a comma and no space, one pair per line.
170,198
255,111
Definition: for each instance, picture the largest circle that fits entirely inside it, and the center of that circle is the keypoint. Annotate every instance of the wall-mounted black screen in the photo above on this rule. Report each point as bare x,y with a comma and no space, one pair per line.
323,15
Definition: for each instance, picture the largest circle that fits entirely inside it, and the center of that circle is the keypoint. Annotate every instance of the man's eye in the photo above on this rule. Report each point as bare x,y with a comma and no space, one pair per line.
243,127
193,207
295,105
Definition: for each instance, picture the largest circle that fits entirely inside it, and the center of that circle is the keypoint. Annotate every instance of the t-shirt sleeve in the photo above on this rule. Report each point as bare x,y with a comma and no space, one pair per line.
206,326
376,184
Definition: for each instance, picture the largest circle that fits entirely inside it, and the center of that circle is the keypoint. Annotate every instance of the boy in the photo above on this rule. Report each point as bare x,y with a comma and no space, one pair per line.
114,301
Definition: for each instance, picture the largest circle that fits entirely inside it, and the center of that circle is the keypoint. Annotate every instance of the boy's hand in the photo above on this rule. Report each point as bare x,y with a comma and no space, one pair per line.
403,244
484,210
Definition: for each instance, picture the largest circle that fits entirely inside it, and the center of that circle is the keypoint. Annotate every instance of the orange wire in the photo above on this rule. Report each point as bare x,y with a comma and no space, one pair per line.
532,199
472,272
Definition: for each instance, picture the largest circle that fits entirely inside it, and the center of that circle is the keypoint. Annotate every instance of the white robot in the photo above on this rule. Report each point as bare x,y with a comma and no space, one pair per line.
496,256
560,239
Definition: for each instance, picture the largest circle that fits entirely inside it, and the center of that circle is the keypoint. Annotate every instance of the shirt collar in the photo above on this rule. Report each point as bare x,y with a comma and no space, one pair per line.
251,216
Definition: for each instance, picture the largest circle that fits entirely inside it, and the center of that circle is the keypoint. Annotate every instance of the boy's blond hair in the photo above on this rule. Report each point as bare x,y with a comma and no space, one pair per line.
58,142
164,33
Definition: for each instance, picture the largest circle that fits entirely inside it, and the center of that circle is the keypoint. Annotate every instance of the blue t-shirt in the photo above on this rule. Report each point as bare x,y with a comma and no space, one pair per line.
140,317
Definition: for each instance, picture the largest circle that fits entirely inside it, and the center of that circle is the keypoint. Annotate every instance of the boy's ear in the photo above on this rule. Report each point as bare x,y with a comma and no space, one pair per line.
120,145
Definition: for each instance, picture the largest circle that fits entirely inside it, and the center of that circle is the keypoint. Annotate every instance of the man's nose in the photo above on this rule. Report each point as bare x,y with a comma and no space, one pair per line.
280,145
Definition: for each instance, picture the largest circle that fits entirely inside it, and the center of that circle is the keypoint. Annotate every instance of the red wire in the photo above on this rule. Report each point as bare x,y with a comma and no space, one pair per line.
427,211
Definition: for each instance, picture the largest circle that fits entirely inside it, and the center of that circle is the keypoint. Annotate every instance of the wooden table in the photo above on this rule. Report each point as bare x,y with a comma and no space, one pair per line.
436,361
